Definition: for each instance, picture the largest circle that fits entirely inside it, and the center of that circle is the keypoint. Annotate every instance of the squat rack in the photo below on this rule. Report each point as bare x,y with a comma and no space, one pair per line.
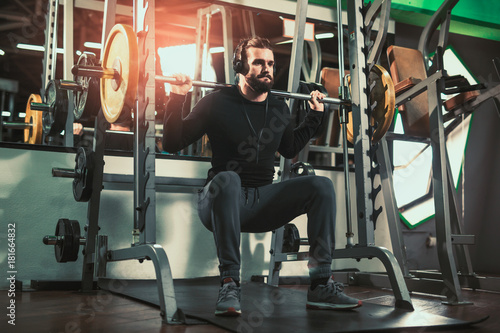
97,254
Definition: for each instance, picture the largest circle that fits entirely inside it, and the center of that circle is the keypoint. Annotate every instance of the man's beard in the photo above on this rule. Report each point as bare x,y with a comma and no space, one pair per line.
257,85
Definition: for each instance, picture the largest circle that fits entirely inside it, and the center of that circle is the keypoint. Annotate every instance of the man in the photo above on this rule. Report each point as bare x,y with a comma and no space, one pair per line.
246,126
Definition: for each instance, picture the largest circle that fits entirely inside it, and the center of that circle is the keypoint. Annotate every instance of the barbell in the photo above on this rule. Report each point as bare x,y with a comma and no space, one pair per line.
119,79
45,116
33,120
48,115
31,128
85,97
119,74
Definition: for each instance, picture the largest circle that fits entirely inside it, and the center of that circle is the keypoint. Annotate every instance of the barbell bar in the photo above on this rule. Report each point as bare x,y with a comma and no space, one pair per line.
113,74
24,126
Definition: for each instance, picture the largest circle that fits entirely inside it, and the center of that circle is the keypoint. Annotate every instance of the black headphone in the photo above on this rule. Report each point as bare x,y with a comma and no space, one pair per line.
240,63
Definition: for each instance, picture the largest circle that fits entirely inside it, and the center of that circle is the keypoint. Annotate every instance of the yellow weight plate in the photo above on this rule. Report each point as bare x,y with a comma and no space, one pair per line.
385,95
120,53
33,134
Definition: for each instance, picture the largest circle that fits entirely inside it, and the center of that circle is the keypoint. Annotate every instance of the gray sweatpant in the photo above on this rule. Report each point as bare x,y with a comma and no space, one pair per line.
227,209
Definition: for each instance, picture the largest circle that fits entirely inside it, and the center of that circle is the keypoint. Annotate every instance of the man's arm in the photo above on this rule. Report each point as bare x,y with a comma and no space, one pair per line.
294,139
179,132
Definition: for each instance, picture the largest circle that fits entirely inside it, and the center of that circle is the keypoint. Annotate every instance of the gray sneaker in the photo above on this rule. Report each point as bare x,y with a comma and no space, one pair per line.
228,303
330,297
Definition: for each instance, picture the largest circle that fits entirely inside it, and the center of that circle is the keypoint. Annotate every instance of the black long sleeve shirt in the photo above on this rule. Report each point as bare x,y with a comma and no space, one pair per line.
244,135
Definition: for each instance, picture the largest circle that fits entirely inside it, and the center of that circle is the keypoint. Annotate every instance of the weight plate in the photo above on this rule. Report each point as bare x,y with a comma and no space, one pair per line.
33,134
87,100
384,94
69,245
120,53
291,238
54,120
301,169
84,174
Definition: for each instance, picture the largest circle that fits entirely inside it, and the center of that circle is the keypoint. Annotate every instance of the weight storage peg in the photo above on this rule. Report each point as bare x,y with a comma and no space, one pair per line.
66,241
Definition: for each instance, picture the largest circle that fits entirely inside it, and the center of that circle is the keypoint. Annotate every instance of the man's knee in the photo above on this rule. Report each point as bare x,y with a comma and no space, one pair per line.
323,186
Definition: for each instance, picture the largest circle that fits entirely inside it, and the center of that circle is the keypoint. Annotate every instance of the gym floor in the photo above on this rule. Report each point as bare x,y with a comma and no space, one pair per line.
70,311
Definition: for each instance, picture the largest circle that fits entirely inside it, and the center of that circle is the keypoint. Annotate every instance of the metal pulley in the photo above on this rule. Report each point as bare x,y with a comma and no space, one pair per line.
66,241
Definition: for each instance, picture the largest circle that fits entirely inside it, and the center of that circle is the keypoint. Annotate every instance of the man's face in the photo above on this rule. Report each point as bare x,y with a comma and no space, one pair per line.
260,69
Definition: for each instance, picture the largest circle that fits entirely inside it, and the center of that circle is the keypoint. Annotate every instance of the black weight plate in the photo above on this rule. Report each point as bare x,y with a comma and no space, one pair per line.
87,101
75,248
291,238
54,120
301,169
84,174
67,249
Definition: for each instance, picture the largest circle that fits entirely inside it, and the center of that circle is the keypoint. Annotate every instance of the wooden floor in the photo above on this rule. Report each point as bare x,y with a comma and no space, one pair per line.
69,311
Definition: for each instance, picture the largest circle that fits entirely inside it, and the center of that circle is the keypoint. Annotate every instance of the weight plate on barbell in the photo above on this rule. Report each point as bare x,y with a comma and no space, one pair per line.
68,246
120,53
54,120
87,100
384,94
84,174
33,134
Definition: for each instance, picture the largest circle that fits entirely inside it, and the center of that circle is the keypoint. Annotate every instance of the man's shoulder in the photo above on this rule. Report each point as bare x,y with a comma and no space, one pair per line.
220,93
